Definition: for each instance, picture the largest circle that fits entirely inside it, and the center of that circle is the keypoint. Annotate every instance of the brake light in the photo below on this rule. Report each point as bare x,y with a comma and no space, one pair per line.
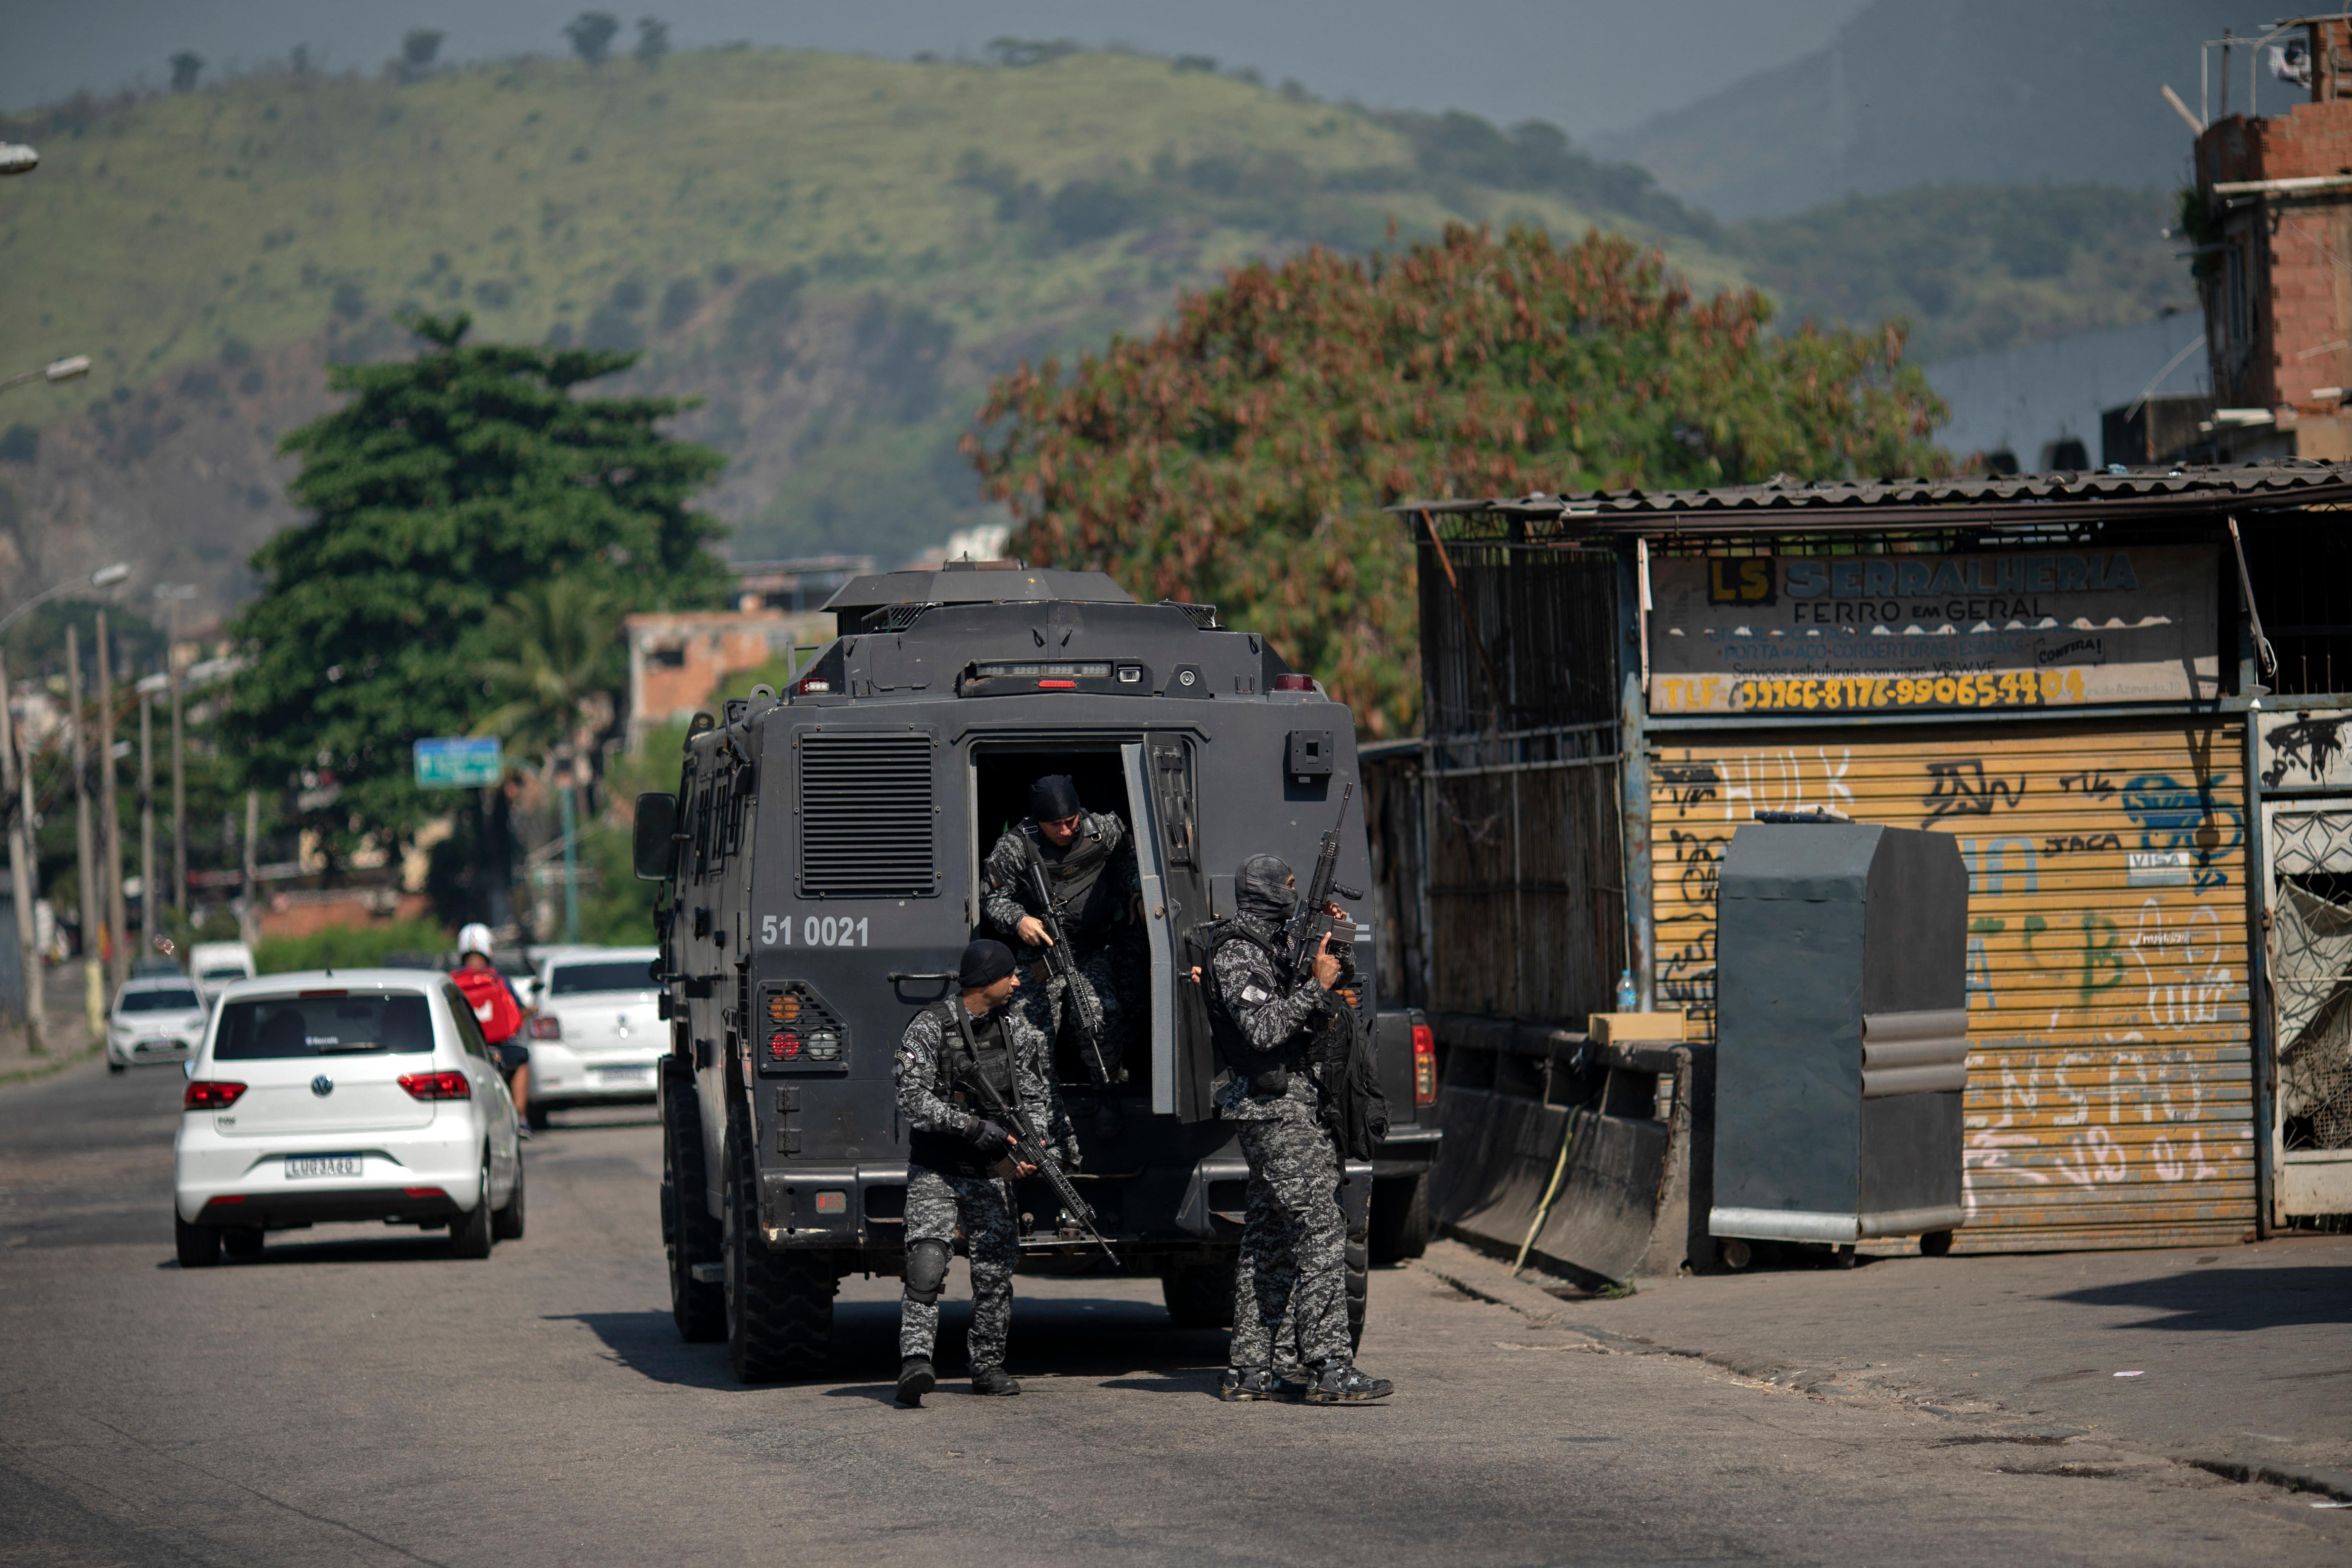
1057,686
1294,683
546,1026
436,1086
205,1094
785,1045
224,1202
1424,1064
422,1193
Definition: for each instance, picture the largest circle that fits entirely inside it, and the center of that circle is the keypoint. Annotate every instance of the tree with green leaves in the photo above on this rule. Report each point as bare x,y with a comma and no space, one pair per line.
591,34
449,484
1241,456
556,663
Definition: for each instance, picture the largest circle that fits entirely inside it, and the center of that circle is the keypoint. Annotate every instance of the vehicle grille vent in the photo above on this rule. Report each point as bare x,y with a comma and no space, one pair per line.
896,617
1203,616
868,827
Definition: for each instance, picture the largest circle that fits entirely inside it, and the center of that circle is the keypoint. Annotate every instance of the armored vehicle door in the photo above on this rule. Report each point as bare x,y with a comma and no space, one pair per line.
1159,780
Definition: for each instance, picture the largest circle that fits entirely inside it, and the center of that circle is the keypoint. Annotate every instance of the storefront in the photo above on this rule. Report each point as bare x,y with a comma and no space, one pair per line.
2062,673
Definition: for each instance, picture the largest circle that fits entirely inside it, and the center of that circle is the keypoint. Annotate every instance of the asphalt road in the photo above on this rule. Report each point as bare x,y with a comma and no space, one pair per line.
357,1396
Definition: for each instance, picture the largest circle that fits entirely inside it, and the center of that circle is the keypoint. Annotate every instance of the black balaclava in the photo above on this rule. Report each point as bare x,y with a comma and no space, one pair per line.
1262,890
984,963
1053,798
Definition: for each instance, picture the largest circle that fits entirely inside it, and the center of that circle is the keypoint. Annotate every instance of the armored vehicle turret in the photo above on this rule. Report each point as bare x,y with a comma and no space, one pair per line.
822,864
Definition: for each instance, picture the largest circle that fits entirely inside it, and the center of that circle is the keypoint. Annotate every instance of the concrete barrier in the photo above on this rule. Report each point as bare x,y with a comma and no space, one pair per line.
1604,1128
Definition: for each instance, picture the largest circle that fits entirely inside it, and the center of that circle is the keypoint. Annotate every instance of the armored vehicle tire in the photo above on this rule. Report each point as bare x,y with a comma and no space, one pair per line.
1400,1218
1198,1295
1359,1264
199,1246
779,1301
505,1222
689,1235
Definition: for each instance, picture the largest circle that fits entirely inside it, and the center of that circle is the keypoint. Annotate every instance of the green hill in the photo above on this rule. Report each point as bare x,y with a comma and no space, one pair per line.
833,253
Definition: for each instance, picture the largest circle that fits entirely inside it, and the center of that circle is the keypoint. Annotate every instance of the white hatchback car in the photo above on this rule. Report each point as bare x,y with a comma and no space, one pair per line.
597,1037
157,1019
350,1095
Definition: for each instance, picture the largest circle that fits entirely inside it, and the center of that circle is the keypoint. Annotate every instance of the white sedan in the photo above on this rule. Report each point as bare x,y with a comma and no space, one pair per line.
158,1019
351,1095
597,1037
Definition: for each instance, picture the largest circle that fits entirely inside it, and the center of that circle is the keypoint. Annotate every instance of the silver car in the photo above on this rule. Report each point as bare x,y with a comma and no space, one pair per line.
156,1019
595,1038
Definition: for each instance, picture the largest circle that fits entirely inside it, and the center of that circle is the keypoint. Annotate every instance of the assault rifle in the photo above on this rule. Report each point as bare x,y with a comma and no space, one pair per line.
1027,1147
1063,962
1311,919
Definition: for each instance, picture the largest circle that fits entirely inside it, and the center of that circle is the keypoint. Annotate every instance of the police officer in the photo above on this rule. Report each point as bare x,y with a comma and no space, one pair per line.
1090,871
959,1159
1290,1303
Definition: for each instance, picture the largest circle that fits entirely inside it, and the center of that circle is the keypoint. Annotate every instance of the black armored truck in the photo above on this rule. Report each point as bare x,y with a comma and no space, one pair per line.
822,870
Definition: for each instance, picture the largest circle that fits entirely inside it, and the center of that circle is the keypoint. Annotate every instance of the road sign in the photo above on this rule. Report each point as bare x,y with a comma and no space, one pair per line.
458,762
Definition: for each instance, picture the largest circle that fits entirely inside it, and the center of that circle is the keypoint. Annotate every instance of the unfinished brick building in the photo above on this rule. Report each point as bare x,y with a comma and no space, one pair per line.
2274,250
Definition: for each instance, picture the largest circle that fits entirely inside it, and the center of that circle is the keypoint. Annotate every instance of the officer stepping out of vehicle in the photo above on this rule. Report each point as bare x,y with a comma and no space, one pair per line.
1086,865
958,1160
1290,1305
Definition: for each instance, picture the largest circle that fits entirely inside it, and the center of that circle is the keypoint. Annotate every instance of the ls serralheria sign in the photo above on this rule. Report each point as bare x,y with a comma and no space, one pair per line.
2039,628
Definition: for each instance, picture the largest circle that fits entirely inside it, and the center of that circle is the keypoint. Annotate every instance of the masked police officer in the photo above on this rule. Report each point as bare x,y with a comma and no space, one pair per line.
1090,873
960,1158
1290,1304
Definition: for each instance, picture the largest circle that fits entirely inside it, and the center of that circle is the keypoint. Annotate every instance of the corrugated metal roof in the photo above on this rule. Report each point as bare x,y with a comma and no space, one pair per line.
1845,505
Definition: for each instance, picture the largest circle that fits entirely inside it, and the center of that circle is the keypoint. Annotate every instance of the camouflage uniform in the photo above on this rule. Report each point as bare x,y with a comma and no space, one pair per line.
1105,967
954,1182
1290,1302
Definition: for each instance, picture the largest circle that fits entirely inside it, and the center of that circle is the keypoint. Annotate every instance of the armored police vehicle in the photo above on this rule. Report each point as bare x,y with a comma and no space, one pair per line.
822,863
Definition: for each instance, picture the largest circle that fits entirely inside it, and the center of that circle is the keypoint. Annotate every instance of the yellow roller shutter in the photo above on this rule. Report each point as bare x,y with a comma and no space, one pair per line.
2110,1099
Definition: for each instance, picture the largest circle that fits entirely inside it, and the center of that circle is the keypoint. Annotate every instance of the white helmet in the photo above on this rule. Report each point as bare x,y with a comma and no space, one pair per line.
474,938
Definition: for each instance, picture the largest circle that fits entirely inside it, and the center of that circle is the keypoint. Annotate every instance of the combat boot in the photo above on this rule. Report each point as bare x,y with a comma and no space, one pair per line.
916,1379
995,1380
1236,1384
1341,1383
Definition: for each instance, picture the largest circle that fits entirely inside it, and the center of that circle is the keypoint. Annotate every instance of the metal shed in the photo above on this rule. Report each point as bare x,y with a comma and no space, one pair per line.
2123,695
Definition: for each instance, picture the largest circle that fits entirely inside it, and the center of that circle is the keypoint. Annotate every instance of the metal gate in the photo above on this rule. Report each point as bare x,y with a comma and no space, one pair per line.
2110,1098
2307,847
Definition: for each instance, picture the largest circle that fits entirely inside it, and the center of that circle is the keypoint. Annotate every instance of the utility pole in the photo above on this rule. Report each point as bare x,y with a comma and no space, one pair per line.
148,896
22,869
178,763
110,806
84,842
248,920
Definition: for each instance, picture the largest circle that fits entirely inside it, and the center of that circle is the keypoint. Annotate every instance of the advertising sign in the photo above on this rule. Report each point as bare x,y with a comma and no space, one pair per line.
2030,628
458,762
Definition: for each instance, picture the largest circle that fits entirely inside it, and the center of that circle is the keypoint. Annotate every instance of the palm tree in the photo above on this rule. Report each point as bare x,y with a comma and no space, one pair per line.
557,659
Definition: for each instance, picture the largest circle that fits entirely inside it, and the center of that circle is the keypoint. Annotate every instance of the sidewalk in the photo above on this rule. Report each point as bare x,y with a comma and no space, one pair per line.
69,1040
2240,1357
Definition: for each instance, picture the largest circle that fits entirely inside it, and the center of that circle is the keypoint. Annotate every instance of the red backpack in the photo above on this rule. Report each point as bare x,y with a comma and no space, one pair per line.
494,1005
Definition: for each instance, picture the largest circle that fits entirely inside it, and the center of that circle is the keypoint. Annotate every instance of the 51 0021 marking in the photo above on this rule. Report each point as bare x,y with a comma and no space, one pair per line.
815,930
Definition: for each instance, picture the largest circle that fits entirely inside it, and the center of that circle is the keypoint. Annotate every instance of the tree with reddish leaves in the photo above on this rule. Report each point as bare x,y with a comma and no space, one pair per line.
1241,456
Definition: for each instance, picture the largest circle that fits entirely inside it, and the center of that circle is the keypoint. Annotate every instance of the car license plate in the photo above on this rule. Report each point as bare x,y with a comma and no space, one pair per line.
624,1074
299,1166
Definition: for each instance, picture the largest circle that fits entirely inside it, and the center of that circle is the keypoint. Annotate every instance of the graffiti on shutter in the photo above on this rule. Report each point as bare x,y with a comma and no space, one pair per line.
2110,1094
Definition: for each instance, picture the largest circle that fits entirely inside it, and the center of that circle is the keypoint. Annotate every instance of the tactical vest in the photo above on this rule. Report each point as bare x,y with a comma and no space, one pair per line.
1073,876
951,1152
1264,1069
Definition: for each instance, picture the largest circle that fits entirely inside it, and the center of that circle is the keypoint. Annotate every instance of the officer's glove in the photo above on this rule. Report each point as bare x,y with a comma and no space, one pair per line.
989,1136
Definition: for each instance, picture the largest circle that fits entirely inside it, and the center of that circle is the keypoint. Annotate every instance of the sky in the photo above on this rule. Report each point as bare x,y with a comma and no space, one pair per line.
1587,65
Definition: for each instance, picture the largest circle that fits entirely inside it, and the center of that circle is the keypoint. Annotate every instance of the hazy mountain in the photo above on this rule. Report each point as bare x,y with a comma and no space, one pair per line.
1984,91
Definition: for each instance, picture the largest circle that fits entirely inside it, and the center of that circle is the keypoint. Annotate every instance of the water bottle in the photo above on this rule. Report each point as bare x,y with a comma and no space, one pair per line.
1629,1000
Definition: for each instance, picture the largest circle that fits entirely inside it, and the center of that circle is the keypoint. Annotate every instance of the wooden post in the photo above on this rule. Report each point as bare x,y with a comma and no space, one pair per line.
110,808
85,840
22,869
149,901
250,919
179,773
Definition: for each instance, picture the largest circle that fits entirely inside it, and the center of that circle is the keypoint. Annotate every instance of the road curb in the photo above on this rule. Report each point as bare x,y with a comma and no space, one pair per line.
2293,1477
49,1068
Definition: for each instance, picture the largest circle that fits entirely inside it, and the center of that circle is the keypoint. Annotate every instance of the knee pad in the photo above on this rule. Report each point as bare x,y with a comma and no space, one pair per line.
927,1270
